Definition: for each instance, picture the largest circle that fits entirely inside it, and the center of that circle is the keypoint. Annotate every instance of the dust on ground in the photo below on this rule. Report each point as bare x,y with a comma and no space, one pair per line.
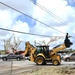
49,70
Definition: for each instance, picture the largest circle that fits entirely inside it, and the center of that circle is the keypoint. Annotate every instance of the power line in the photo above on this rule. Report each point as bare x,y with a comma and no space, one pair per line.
24,32
27,33
31,17
51,13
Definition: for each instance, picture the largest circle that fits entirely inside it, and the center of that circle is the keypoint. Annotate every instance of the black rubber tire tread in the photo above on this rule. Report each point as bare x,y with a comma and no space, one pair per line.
57,62
39,57
67,59
18,58
4,59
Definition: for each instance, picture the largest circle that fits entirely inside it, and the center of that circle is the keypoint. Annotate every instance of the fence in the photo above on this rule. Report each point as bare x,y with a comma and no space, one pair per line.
6,67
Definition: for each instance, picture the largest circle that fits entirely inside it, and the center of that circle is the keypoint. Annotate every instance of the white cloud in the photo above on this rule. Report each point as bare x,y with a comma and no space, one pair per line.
8,21
24,6
58,7
20,26
5,18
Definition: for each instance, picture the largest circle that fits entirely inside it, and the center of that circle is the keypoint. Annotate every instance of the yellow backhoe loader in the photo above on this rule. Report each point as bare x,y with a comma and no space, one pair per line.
41,54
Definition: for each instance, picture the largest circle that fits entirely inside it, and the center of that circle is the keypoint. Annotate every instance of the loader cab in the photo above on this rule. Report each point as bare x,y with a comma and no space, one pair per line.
43,49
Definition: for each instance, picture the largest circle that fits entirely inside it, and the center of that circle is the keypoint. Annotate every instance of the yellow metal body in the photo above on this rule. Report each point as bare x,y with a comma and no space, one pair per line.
55,50
53,54
29,49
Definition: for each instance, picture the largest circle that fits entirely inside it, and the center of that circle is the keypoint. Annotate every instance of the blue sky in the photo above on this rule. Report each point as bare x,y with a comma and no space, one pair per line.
71,3
65,9
34,1
24,18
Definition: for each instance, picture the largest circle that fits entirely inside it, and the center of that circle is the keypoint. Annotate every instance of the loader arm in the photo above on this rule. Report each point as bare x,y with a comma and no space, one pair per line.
56,49
26,49
60,47
25,52
30,49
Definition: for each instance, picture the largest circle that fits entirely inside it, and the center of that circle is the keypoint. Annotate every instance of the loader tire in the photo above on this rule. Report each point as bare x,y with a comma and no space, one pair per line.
39,60
55,62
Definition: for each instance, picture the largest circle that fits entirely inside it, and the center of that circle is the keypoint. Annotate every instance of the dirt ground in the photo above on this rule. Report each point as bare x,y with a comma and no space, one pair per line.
49,70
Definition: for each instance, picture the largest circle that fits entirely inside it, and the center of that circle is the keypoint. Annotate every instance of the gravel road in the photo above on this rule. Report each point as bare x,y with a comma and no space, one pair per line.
25,65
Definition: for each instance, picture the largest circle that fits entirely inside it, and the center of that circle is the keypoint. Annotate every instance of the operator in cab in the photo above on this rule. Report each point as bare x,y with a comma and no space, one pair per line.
67,42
